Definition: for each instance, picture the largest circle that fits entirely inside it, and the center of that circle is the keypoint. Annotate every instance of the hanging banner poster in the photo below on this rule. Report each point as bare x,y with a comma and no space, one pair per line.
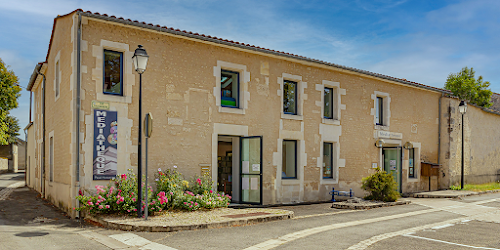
105,144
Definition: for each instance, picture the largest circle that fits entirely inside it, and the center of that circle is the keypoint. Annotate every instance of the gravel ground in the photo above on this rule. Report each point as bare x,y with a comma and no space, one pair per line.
178,218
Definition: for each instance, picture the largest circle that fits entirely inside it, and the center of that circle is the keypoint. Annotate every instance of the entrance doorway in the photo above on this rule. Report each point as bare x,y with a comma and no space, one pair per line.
392,163
239,171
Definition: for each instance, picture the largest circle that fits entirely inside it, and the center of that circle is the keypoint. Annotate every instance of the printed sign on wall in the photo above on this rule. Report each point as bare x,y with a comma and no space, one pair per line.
105,144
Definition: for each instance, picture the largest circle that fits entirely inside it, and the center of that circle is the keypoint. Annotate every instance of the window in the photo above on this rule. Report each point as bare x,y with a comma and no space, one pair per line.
229,89
289,164
289,97
58,80
379,111
51,159
113,83
328,160
411,163
328,103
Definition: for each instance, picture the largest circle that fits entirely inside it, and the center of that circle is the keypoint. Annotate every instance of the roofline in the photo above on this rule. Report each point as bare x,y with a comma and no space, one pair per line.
28,126
34,75
251,47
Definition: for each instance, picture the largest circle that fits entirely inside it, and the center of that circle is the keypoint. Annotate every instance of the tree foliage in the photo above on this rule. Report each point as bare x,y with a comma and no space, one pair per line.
465,86
9,92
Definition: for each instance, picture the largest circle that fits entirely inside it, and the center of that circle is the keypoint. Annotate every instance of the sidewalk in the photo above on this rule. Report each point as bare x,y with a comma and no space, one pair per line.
451,193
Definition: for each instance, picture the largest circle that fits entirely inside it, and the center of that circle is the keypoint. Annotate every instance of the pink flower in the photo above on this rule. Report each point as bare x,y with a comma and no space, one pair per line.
80,192
211,191
133,199
124,176
107,206
90,203
190,206
128,210
101,207
196,203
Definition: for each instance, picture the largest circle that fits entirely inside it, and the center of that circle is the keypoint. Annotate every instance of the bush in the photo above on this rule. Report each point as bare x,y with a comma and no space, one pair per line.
172,191
120,196
381,186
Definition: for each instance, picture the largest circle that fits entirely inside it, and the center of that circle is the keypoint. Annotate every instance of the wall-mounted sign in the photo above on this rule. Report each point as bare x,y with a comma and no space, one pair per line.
105,144
100,105
374,165
388,135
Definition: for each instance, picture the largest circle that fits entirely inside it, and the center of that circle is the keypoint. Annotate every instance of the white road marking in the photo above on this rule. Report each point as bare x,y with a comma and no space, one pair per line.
447,242
4,193
269,244
445,205
137,241
325,214
443,226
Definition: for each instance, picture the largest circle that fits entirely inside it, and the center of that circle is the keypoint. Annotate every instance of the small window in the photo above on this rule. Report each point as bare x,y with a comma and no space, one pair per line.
58,80
328,103
289,164
113,82
327,160
411,161
229,89
289,97
379,115
51,159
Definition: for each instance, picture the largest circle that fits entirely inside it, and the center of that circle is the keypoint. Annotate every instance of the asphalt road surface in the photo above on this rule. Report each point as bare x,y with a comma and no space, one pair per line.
28,222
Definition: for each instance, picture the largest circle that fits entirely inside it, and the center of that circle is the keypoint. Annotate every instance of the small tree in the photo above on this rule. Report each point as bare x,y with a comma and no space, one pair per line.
381,186
465,86
9,92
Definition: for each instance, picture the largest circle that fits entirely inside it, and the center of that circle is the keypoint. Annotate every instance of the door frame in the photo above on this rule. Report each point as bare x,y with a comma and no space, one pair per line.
260,174
400,184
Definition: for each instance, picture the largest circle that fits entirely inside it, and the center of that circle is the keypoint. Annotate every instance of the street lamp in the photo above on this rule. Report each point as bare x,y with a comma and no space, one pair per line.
140,59
462,108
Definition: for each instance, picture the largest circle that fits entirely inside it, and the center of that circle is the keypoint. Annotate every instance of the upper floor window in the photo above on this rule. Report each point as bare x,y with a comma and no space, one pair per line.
379,111
328,103
289,97
58,80
289,163
113,72
229,89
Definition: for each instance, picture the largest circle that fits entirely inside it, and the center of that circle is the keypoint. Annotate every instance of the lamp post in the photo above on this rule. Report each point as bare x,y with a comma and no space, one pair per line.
140,59
462,108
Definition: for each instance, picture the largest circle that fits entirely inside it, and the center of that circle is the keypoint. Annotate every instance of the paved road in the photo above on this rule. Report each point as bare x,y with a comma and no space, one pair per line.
28,222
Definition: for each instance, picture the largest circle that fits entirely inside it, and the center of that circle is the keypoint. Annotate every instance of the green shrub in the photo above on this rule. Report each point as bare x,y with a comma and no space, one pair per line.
381,186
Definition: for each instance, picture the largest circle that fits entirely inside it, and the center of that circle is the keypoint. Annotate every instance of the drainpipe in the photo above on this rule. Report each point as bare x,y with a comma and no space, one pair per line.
439,135
42,170
78,105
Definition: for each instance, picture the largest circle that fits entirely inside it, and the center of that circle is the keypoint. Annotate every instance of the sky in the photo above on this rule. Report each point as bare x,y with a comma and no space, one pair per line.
418,40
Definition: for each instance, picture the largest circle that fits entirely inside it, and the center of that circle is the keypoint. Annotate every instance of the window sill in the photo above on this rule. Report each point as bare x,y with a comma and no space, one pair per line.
413,179
114,98
290,181
331,121
231,110
381,127
292,117
328,181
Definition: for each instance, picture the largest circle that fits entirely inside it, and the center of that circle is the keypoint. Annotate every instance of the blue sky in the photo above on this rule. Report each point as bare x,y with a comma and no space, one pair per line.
419,40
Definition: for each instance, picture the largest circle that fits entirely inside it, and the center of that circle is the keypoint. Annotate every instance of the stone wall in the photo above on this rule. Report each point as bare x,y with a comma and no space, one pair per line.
481,145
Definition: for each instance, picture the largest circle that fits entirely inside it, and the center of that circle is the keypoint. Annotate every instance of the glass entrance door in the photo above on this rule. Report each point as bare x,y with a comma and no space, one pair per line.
392,163
251,170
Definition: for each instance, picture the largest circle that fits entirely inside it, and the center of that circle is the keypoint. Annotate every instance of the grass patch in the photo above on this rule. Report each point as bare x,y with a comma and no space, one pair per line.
478,187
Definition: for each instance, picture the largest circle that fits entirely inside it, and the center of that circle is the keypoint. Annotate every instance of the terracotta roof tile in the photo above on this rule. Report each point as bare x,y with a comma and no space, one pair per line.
236,43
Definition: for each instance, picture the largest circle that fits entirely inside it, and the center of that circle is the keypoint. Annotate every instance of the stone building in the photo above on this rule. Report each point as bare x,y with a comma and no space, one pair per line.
268,126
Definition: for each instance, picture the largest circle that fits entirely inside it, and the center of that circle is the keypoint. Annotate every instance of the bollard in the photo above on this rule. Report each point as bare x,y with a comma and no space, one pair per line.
350,192
333,194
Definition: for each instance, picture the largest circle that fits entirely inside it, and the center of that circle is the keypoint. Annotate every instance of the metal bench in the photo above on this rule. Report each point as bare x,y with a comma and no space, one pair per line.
340,193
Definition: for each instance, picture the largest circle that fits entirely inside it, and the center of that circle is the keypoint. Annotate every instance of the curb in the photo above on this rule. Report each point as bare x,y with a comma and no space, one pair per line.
357,206
240,222
455,195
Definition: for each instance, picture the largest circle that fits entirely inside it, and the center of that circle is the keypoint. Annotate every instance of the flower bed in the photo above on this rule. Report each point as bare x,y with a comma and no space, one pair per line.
172,192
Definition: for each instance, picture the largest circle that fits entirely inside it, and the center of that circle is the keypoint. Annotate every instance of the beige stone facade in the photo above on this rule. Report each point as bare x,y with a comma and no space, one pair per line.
181,88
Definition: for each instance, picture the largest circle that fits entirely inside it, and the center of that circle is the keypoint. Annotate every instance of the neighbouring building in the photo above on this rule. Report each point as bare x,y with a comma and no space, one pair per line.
269,127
